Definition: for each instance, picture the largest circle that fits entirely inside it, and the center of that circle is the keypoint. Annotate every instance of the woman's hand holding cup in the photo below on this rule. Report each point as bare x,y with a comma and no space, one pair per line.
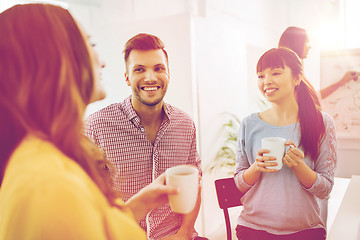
294,156
263,162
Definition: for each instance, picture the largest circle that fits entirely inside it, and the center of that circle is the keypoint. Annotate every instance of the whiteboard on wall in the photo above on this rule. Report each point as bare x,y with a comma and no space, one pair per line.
344,104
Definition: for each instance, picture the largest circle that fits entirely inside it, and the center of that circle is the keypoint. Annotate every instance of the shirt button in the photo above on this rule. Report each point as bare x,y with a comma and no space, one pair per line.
142,129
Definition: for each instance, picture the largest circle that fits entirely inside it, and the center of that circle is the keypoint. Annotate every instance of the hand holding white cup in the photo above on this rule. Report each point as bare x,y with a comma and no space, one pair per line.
276,146
186,179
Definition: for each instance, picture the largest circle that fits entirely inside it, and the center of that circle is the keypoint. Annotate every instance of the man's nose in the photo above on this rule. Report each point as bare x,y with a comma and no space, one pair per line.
150,76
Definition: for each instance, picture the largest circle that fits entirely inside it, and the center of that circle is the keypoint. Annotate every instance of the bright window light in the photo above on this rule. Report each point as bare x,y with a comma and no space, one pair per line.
331,36
352,23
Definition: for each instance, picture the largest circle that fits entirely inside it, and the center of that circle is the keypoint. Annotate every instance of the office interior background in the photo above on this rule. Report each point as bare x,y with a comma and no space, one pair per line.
213,47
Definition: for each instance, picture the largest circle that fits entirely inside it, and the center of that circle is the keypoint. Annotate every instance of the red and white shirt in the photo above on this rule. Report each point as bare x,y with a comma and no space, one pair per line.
118,131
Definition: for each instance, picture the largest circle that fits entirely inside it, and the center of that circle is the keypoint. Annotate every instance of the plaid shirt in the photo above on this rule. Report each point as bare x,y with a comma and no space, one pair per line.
118,131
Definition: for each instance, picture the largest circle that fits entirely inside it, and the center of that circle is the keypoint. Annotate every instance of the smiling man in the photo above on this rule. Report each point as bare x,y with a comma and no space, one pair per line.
143,136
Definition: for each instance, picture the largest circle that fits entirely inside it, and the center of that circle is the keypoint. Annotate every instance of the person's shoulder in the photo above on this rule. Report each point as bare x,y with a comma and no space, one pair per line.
111,111
106,111
177,113
66,176
250,118
326,115
327,119
42,163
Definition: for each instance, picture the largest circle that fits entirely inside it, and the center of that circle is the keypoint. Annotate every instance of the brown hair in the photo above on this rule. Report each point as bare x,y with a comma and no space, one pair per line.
144,42
46,82
294,38
311,120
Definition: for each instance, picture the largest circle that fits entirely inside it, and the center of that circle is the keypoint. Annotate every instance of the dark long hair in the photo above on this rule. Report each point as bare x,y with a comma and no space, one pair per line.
46,82
294,38
311,120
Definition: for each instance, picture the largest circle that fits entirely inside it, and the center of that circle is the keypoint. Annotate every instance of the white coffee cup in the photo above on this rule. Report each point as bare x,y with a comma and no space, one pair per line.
276,145
186,179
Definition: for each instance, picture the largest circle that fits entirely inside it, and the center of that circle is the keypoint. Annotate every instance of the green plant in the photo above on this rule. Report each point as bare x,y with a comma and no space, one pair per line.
225,156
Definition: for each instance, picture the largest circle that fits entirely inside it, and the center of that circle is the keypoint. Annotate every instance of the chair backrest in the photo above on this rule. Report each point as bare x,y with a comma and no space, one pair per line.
228,196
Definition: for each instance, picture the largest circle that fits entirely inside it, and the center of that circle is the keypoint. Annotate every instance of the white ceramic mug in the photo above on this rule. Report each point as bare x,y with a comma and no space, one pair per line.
186,179
276,145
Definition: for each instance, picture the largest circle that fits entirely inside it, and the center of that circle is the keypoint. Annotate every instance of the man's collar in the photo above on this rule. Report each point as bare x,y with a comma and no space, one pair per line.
131,113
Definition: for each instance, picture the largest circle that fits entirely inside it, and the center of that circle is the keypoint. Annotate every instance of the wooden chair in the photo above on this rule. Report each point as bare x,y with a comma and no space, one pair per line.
228,196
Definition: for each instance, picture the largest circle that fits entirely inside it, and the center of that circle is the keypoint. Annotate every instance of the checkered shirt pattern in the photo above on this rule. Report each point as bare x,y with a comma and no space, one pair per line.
118,131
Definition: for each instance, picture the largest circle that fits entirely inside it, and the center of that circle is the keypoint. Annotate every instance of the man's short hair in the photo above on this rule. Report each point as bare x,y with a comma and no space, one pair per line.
144,42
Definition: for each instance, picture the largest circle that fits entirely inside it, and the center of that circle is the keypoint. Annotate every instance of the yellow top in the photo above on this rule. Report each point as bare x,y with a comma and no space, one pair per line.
46,195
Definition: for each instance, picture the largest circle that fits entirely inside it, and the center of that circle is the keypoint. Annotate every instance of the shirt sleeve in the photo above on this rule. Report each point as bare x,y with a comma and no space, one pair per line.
89,130
326,163
241,161
194,158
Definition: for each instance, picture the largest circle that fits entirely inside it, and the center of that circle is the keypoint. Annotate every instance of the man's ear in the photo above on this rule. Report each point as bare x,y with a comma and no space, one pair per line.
127,79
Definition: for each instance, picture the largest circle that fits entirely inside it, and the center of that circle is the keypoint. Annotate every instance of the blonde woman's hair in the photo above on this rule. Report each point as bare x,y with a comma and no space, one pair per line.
46,82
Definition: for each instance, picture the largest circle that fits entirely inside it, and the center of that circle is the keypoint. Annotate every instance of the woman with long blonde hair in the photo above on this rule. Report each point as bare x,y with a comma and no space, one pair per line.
53,179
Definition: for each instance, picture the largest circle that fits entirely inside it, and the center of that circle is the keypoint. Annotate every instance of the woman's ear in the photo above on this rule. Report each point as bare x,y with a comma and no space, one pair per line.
299,79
